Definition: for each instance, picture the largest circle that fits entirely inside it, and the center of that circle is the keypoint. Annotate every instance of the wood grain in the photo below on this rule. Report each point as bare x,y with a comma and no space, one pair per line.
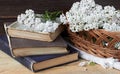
10,66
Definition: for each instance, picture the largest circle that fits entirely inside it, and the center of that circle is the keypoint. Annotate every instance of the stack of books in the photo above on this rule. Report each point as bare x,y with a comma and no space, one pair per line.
33,53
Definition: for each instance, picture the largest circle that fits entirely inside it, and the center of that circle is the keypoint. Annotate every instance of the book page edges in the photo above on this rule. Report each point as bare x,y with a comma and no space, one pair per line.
39,51
55,61
28,35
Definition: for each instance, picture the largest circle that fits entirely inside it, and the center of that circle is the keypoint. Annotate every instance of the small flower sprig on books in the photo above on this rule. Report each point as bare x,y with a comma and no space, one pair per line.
44,23
87,15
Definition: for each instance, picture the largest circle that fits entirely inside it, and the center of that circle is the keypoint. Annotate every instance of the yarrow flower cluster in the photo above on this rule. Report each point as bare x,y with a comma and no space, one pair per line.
34,22
86,15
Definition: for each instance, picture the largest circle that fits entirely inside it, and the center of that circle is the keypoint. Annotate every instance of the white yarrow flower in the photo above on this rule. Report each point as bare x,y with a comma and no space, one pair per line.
55,26
37,24
93,16
63,19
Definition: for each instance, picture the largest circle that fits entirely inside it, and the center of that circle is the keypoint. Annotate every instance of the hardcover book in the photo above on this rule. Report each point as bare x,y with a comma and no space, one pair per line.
14,32
27,47
36,63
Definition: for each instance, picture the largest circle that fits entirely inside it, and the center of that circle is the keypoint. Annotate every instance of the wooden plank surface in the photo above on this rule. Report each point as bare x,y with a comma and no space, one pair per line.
10,66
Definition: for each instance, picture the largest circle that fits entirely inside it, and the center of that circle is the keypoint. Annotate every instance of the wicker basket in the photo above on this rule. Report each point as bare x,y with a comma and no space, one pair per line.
93,42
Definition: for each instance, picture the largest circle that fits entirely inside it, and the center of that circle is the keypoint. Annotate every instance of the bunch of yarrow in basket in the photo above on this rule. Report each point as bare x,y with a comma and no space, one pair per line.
87,15
45,23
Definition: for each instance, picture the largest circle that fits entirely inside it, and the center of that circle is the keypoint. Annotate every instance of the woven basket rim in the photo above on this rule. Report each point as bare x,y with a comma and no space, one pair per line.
95,49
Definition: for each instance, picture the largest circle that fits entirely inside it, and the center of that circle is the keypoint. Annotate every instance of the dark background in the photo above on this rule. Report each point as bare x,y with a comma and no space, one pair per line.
9,9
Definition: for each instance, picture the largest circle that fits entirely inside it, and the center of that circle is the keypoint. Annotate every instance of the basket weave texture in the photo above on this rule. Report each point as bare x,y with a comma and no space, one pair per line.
98,42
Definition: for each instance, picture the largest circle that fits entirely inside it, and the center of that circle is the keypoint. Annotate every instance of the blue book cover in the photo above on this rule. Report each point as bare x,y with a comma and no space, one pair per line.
35,63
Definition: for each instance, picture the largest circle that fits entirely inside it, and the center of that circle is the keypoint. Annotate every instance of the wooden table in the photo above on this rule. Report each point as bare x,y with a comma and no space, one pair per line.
10,66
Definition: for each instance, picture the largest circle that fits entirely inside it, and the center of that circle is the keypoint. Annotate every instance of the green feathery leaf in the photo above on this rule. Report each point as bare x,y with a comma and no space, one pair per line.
51,15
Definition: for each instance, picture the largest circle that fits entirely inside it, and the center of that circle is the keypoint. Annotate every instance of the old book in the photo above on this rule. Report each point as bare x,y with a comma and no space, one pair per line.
36,63
13,32
27,47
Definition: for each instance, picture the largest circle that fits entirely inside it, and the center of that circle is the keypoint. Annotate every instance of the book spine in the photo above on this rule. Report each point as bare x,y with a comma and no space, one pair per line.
23,60
8,40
